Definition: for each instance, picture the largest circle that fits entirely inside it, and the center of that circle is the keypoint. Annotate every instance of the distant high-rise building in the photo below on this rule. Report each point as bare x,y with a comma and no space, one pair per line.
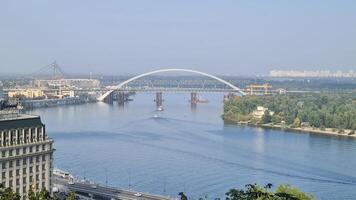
294,73
26,153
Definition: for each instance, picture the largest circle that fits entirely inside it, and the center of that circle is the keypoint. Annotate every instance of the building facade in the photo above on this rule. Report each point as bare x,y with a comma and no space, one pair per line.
260,111
27,93
26,153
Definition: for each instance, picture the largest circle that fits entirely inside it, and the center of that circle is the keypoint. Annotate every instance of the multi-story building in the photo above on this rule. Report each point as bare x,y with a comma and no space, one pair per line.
26,153
27,93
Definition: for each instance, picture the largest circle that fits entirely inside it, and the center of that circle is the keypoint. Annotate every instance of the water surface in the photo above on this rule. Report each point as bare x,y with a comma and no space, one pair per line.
192,150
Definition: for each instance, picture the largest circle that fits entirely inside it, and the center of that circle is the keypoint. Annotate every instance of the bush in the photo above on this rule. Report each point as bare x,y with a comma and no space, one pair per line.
322,128
257,192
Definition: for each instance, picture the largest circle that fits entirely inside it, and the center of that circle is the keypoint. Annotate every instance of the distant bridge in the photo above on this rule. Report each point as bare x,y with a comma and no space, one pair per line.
121,86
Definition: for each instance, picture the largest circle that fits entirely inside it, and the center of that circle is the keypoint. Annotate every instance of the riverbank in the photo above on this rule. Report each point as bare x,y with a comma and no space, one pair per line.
45,103
313,130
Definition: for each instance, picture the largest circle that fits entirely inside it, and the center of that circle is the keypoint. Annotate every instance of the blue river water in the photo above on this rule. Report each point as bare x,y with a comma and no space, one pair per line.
192,150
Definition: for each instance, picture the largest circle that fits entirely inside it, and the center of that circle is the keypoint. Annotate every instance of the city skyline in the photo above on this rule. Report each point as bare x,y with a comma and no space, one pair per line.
225,38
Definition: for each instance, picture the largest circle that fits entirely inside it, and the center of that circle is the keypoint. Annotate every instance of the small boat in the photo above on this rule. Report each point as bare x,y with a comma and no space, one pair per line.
155,116
63,174
203,101
160,108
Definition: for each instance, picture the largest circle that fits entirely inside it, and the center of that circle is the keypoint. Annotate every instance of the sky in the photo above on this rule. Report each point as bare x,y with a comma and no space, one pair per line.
225,37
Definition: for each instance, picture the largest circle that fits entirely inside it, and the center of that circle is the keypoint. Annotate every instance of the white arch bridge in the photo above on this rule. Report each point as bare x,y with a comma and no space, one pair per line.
122,86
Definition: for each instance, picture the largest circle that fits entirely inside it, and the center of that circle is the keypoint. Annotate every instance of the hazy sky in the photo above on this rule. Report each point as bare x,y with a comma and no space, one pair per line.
222,37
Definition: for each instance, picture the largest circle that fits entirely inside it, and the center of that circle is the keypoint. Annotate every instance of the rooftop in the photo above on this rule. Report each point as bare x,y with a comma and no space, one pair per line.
16,120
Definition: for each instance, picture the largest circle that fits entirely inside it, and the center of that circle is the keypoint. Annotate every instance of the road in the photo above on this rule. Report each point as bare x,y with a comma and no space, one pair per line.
100,192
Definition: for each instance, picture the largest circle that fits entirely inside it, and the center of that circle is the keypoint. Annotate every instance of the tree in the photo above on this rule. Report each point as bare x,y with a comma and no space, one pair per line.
41,195
266,118
182,196
256,192
71,196
289,192
276,119
296,122
8,194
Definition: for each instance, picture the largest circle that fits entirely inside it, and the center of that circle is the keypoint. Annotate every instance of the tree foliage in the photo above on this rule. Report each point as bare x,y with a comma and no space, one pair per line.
319,110
9,194
266,118
257,192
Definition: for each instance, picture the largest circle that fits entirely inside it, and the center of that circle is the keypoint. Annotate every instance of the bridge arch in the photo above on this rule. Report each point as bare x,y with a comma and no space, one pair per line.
170,70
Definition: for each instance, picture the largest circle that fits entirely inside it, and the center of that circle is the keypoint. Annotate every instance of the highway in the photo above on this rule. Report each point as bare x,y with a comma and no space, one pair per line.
100,192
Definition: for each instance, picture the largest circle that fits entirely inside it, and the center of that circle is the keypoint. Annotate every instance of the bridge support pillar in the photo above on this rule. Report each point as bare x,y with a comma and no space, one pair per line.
109,99
193,98
121,98
159,99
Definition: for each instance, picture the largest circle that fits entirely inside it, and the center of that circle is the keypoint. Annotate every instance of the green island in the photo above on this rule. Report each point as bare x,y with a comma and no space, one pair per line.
325,113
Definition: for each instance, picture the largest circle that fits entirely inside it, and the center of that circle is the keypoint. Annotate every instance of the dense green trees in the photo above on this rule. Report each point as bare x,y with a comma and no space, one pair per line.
319,110
9,194
257,192
266,118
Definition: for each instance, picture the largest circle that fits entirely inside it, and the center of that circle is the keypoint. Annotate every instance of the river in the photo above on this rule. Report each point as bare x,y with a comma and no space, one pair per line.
192,150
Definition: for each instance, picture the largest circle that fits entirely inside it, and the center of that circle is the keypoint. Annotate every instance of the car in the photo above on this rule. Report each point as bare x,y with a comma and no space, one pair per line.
138,194
94,186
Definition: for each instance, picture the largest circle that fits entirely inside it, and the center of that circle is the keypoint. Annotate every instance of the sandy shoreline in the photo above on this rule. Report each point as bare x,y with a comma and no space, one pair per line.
327,131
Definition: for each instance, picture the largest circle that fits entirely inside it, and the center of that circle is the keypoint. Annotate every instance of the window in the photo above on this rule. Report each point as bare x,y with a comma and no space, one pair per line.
10,164
37,148
10,173
17,163
31,160
24,150
43,147
24,170
17,151
3,153
17,172
25,161
3,165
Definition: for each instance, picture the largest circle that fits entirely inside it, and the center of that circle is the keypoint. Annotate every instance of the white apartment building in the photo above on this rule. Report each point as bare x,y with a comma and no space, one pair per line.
26,153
